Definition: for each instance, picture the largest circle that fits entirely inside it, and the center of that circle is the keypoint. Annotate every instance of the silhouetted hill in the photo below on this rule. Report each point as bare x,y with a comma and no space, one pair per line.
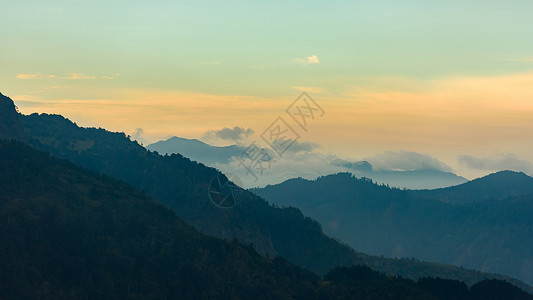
491,235
69,233
500,185
219,156
411,179
197,150
182,185
10,127
359,282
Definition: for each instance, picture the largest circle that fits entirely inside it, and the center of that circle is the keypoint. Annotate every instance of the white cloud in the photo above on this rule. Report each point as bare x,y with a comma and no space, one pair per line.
313,59
33,76
137,135
499,162
70,76
234,134
75,76
405,161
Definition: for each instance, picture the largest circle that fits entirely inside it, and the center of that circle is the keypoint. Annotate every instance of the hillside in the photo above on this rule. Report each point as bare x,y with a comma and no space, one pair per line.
221,157
182,185
197,150
496,186
70,233
492,235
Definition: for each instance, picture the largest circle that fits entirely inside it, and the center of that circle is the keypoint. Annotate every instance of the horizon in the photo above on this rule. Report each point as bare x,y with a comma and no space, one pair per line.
391,78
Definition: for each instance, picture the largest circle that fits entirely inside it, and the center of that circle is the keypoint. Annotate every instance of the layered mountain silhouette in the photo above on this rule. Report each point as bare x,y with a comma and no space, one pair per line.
412,179
495,186
485,224
182,185
70,233
220,156
197,150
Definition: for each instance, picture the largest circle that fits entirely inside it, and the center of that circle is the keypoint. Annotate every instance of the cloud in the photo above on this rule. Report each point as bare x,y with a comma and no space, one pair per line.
504,161
234,134
359,166
405,161
313,59
137,135
74,76
298,147
33,76
70,76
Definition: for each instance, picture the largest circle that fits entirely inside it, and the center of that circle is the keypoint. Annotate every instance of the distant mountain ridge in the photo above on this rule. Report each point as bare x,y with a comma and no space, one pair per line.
182,186
197,150
219,156
493,235
70,233
500,185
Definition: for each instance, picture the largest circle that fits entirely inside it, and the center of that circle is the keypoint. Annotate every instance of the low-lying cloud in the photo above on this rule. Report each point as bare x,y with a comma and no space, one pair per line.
406,161
504,161
298,147
235,134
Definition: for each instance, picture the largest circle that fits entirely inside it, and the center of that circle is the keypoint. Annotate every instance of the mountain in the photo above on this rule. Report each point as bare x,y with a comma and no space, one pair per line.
415,179
183,186
10,127
222,156
70,233
500,185
492,235
197,150
362,283
411,179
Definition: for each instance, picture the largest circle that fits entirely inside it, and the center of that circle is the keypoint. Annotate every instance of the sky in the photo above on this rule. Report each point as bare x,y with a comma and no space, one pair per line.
452,80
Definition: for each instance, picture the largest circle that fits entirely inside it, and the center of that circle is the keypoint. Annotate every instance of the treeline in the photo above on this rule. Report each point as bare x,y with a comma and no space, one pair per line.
70,233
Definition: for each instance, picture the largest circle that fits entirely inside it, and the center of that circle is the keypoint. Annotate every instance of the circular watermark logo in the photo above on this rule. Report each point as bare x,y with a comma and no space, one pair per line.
225,193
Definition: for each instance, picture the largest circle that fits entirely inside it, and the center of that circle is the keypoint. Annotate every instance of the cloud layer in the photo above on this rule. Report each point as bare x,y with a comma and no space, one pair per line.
235,134
504,161
406,161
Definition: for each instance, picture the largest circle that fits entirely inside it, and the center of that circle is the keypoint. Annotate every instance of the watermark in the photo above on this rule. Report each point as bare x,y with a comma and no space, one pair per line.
304,109
279,136
225,192
255,160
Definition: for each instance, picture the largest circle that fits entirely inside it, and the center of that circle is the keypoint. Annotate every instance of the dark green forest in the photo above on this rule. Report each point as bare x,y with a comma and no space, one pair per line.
70,233
181,185
485,224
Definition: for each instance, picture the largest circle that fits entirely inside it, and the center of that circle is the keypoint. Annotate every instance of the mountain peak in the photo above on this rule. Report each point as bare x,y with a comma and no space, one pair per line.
9,119
505,179
506,173
499,185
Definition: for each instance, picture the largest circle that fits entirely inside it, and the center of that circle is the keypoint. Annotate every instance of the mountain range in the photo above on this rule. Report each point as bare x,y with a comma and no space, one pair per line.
182,185
197,150
222,157
484,224
70,233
